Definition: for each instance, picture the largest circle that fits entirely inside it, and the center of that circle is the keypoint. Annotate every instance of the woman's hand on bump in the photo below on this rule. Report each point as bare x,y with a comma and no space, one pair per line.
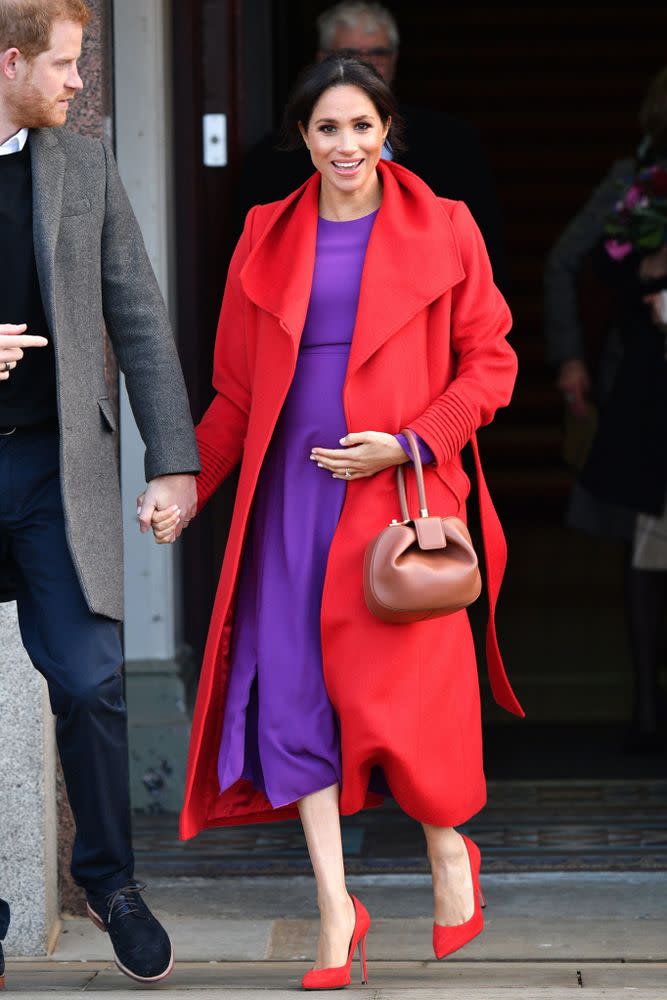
364,453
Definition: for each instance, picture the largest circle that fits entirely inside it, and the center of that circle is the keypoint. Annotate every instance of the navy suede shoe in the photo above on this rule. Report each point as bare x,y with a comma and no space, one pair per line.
141,945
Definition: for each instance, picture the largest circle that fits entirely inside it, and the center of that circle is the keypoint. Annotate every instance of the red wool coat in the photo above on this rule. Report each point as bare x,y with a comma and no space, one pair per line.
429,350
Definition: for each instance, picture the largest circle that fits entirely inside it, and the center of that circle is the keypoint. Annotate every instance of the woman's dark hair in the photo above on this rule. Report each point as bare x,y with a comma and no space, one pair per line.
653,113
338,70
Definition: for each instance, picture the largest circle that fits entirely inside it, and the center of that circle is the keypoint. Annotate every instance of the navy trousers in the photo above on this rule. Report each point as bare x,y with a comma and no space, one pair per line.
79,654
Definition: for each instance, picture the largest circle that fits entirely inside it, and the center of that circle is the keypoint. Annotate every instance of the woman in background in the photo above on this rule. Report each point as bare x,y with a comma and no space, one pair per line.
622,487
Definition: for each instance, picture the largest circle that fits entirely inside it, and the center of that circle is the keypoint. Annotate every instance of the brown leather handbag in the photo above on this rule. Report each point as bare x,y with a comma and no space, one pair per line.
421,567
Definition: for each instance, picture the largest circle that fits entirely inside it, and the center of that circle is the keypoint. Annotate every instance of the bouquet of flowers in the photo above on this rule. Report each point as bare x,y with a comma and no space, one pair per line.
639,219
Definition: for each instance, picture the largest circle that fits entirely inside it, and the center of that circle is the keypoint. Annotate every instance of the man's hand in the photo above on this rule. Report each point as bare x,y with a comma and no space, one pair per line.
363,455
658,303
653,265
575,384
178,492
13,342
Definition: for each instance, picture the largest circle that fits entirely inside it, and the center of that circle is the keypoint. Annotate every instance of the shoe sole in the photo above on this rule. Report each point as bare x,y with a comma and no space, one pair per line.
99,923
323,989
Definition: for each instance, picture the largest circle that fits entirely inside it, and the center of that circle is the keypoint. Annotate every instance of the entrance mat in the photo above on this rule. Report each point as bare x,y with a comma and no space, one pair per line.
541,826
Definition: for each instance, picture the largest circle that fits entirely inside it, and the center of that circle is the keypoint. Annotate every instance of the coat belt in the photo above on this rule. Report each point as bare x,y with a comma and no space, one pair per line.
495,558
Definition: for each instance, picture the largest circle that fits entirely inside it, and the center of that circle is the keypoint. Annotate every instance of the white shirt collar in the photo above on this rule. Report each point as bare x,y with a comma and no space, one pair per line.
15,144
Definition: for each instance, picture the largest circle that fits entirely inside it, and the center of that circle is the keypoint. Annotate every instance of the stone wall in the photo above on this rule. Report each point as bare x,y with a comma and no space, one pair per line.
28,813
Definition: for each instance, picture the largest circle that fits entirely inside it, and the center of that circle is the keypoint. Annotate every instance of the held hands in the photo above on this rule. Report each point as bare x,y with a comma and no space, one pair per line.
363,454
13,342
167,506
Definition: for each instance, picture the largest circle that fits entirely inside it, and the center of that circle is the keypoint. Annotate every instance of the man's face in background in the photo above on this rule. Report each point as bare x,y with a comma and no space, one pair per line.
367,43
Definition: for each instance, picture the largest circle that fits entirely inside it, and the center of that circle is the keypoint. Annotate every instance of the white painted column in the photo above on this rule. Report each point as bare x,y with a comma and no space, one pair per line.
143,130
143,148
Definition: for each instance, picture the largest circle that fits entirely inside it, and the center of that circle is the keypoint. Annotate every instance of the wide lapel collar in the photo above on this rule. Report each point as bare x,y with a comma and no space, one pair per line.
411,260
278,274
48,176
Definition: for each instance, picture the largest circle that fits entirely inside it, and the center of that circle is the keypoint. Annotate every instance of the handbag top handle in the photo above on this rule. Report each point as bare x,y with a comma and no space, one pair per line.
419,473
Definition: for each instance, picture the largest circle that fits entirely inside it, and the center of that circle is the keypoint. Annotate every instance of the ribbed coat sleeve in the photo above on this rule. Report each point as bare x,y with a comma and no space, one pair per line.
486,365
221,431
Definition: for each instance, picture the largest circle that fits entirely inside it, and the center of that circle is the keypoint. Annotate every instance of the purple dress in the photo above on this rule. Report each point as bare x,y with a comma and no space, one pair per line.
279,729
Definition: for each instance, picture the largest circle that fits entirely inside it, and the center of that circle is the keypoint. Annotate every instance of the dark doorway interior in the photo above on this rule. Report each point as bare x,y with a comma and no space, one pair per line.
554,94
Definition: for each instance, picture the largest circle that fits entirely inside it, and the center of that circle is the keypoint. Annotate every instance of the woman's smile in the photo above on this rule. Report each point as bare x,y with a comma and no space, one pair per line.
347,167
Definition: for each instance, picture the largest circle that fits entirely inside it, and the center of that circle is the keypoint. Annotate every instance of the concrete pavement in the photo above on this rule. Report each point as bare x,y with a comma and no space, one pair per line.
417,980
604,935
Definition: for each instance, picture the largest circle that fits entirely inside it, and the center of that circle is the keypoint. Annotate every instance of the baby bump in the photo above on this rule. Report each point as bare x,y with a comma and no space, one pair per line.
313,410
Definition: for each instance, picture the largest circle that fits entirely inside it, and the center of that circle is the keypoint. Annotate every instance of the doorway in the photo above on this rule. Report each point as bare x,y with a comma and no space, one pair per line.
544,89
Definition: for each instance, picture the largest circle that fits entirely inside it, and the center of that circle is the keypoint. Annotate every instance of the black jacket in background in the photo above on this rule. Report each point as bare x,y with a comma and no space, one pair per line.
445,152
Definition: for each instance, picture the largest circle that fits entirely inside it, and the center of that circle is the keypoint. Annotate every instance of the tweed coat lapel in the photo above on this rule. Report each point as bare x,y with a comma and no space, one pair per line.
412,259
48,177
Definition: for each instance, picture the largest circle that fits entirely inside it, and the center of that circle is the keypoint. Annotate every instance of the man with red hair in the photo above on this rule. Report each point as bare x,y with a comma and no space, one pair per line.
72,259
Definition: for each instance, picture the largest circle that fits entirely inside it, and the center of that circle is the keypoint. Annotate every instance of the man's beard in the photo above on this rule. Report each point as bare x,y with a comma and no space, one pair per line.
31,109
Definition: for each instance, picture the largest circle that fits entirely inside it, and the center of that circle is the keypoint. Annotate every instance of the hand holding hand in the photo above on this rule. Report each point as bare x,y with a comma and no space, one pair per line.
364,454
13,342
168,493
165,524
575,384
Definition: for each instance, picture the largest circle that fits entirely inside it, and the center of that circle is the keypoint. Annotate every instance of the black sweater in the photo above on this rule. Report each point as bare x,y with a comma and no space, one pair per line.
29,395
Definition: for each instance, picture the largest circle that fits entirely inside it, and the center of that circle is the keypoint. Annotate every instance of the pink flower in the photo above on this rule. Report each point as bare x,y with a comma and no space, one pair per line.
616,250
633,196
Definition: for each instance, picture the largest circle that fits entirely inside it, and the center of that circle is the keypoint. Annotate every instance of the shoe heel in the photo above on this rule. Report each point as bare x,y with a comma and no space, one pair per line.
2,982
362,960
482,900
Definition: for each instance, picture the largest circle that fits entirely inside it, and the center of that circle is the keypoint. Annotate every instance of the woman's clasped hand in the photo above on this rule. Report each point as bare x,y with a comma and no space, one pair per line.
363,454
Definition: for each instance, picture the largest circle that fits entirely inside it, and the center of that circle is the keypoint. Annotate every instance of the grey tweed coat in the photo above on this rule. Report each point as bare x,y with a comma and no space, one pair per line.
93,269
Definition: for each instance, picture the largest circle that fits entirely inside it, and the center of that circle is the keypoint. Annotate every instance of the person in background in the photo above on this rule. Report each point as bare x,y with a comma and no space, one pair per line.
72,259
622,487
444,151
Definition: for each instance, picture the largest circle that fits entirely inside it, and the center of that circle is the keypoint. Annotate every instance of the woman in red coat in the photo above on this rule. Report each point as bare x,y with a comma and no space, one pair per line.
360,305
